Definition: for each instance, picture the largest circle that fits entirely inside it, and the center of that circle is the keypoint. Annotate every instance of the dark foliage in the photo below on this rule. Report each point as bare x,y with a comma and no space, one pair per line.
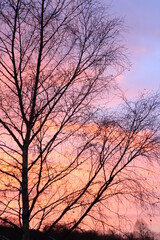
60,233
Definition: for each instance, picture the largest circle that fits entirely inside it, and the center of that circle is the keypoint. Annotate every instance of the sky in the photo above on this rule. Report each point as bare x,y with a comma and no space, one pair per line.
142,39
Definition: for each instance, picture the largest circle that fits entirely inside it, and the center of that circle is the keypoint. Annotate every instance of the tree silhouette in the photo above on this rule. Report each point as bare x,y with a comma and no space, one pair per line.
142,231
58,156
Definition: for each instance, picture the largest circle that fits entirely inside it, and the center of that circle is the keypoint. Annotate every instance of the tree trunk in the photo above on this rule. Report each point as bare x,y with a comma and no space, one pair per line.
25,197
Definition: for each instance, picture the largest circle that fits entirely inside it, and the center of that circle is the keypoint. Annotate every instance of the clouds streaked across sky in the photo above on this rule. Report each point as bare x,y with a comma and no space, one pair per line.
142,39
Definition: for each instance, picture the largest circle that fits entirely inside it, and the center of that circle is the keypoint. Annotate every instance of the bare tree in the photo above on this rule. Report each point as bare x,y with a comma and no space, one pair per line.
57,160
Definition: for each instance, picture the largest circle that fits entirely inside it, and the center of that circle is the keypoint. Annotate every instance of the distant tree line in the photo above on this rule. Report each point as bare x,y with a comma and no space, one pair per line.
141,232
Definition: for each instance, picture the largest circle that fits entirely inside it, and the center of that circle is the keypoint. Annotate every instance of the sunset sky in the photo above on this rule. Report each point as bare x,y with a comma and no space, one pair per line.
62,148
142,38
